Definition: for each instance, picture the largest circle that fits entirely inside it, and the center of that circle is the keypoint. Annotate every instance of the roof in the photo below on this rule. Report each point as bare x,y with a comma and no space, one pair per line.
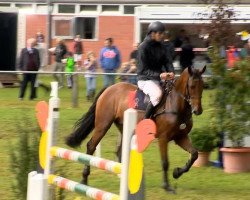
119,1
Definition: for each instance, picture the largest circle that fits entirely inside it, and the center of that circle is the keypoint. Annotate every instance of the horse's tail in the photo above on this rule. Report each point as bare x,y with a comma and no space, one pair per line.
84,125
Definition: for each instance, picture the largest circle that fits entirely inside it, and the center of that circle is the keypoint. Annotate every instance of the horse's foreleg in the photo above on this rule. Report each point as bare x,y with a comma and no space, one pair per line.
163,144
91,147
185,143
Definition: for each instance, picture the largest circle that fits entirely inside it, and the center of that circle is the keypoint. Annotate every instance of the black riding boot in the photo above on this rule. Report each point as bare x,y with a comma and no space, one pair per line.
149,111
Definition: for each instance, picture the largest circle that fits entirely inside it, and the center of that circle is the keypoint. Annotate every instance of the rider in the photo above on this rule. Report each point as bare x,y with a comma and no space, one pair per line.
153,65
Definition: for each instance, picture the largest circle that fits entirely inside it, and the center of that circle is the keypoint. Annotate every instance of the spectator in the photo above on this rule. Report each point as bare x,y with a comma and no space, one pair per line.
232,56
90,65
181,37
124,69
129,67
29,61
186,54
170,49
39,37
134,53
132,69
59,52
247,49
78,50
70,67
41,48
110,61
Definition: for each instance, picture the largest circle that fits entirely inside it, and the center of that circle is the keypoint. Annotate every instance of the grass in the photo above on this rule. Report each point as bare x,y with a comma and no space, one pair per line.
198,184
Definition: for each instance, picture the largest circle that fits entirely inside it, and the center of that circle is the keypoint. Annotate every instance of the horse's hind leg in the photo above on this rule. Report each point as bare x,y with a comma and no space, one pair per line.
163,145
185,143
99,132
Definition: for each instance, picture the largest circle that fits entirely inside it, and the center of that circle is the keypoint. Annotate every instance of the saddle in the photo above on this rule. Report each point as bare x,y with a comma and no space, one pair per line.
139,100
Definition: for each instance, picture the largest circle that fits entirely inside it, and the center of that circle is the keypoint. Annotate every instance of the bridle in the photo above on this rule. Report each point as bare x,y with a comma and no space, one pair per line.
168,87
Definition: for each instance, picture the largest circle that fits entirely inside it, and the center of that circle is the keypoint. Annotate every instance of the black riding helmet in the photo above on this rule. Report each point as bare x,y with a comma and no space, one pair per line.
156,27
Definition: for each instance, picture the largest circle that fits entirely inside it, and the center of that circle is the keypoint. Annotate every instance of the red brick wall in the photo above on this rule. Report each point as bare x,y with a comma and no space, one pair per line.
120,28
35,23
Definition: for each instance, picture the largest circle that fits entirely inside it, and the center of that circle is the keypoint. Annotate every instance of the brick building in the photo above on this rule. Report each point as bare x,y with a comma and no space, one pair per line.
125,21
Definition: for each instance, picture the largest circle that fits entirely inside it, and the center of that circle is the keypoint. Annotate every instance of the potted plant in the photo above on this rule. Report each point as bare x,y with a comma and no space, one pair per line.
230,105
204,140
232,111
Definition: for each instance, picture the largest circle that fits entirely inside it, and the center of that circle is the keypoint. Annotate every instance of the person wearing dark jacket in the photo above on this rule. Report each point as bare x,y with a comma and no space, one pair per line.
78,50
170,49
153,65
60,52
29,61
186,54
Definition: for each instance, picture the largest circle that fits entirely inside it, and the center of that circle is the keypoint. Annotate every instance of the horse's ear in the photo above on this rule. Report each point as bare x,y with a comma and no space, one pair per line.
203,70
190,70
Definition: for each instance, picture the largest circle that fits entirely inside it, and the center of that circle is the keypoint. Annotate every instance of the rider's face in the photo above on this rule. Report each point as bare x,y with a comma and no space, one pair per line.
157,36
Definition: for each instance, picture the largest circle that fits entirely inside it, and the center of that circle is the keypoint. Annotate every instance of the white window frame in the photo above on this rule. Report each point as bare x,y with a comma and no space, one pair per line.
54,19
96,26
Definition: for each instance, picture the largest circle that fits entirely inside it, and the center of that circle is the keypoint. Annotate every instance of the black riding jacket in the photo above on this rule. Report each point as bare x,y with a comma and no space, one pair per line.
152,60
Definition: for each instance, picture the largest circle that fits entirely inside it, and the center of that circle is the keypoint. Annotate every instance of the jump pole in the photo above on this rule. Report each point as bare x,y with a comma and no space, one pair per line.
130,120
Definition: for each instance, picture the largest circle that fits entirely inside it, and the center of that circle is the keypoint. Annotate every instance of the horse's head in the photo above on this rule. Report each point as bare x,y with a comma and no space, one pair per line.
195,89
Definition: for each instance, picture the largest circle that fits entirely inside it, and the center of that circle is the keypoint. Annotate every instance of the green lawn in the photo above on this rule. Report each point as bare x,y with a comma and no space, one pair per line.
198,184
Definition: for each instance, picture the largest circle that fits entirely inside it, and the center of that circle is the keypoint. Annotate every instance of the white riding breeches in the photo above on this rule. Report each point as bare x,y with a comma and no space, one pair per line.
152,89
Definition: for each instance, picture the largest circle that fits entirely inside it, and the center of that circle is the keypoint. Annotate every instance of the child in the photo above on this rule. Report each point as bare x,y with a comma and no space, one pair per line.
124,69
132,69
90,65
70,66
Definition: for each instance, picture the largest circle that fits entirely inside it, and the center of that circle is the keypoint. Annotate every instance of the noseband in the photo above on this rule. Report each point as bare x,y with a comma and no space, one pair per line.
168,87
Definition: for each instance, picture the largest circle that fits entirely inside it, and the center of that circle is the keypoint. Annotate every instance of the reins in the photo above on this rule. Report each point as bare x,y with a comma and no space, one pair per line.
168,87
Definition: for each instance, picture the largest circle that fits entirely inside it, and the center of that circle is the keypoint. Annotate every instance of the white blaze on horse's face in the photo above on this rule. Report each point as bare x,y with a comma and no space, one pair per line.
195,92
195,89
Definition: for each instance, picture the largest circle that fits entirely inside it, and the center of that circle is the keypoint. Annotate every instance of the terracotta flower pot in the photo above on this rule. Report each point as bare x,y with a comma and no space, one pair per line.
202,160
236,160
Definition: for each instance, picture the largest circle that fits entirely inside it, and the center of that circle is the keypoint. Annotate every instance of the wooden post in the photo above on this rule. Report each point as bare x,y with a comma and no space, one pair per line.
75,91
53,120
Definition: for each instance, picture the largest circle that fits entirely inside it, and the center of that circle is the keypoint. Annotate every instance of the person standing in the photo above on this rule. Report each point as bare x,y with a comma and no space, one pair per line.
153,65
134,53
78,50
90,65
186,54
110,60
41,47
70,67
60,52
29,61
170,49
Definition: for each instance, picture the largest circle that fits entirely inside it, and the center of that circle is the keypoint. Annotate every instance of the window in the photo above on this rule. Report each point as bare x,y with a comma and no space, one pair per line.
62,28
24,6
66,9
4,5
88,8
108,8
86,27
129,9
41,8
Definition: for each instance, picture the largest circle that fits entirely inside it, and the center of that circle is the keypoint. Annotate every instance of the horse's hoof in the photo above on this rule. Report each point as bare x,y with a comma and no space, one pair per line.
177,172
168,188
84,182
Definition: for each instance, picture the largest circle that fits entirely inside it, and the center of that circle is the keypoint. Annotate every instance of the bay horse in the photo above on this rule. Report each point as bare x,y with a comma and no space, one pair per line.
173,118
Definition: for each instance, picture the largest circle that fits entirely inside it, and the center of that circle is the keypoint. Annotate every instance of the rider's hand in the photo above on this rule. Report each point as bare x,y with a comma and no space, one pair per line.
167,76
171,75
